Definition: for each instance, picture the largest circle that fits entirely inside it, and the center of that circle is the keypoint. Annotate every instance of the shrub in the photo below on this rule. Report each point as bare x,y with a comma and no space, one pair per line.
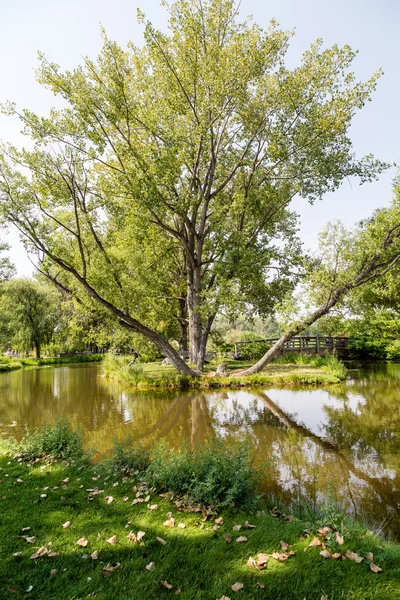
335,367
129,458
254,350
217,474
363,347
53,441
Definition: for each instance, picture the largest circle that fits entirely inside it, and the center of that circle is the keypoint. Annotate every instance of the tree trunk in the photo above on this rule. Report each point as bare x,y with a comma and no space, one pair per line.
183,327
195,324
273,351
37,349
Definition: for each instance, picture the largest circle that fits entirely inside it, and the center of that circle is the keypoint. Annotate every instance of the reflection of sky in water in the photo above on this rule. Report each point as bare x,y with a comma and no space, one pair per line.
307,407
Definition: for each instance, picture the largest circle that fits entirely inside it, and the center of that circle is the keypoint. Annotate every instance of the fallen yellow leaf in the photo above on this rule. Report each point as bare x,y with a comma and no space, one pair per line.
375,568
82,542
237,586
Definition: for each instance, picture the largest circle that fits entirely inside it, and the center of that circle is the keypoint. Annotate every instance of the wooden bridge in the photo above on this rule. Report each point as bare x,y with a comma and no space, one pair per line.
308,344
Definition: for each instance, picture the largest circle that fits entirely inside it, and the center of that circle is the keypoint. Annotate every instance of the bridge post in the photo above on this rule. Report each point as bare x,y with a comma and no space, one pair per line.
317,344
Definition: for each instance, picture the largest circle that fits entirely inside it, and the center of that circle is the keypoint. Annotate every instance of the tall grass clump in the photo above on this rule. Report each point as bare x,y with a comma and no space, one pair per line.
121,368
52,441
217,474
333,366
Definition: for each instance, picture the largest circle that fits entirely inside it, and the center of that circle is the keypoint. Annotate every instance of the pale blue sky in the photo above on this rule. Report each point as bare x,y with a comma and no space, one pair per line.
66,31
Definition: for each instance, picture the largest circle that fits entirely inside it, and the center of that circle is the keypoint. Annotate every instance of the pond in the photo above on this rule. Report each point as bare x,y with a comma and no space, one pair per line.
339,442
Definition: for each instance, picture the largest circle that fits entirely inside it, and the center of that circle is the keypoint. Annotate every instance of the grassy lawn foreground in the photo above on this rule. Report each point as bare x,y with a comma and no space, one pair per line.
196,560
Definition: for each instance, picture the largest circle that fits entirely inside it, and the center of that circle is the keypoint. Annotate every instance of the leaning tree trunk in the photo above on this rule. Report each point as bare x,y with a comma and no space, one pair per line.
273,351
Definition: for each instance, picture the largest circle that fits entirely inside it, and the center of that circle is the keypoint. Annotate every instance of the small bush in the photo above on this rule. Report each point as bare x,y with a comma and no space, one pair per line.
129,458
254,350
217,474
53,441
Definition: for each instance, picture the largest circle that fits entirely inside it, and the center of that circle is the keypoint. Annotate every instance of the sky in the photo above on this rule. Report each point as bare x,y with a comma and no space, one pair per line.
68,31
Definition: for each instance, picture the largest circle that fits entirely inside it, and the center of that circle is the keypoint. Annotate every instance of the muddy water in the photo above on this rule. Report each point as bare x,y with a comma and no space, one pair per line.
342,441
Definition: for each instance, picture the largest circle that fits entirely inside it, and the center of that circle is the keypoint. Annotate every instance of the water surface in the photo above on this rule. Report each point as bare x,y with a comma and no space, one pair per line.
341,441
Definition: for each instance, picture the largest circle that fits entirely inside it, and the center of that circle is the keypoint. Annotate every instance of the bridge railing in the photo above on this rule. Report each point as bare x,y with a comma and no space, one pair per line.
305,343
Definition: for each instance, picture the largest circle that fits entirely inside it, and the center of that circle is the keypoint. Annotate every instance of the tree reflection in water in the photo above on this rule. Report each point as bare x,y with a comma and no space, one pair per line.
349,441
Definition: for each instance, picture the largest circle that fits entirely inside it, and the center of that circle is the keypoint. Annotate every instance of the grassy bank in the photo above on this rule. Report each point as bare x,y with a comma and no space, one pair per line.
12,364
104,507
290,370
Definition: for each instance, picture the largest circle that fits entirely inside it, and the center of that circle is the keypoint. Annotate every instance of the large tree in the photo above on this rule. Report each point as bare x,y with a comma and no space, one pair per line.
198,141
29,313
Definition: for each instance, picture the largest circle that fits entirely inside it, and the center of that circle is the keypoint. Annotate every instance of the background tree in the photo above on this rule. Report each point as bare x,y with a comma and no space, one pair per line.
348,260
200,139
29,313
7,269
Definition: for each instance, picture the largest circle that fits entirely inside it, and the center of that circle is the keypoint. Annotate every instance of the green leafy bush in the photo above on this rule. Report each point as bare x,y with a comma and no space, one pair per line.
254,350
363,347
129,457
216,474
53,441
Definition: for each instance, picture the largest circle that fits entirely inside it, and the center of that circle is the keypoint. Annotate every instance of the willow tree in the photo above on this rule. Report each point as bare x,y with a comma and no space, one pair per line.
203,137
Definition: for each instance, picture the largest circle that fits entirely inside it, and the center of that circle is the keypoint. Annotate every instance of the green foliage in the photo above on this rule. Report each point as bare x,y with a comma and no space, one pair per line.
28,314
254,351
122,368
53,441
366,347
393,350
129,457
216,474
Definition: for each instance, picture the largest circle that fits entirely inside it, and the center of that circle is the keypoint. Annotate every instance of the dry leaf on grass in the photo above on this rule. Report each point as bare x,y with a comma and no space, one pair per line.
94,555
112,540
219,521
370,557
166,585
125,499
30,540
326,554
150,567
53,572
354,556
224,598
137,501
283,555
169,523
163,542
17,554
25,529
284,545
181,525
153,507
375,568
249,525
324,531
338,556
315,542
237,586
108,499
108,569
227,538
66,524
236,527
260,585
82,542
41,552
242,538
339,539
216,527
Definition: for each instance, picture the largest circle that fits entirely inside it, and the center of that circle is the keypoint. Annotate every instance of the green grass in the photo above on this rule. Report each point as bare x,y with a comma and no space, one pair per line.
196,559
12,364
290,370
